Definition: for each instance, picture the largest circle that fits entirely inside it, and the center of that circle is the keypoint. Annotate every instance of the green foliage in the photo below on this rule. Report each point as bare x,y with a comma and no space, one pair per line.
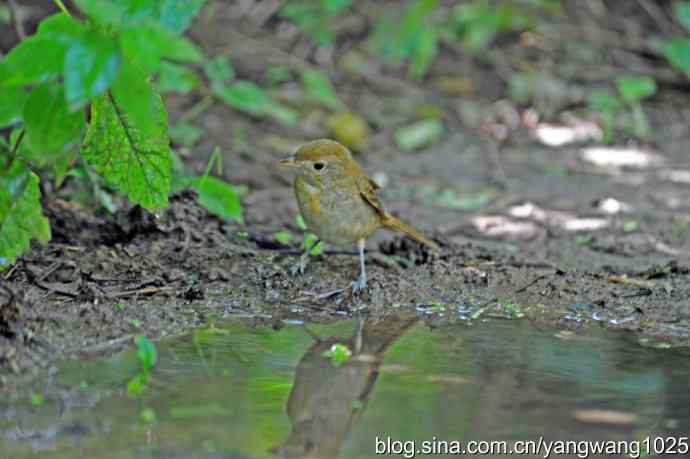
21,217
51,128
284,237
476,24
338,353
677,49
634,89
309,238
176,78
316,17
147,355
134,161
219,72
318,87
623,109
12,101
414,39
184,133
104,62
245,95
250,98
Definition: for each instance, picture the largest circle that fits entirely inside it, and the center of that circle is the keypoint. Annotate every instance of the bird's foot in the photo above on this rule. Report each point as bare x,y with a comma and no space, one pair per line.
298,268
359,285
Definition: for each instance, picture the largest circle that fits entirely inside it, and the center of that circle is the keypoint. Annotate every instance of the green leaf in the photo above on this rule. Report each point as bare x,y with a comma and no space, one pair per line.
424,54
61,27
91,65
318,87
21,216
176,15
218,197
176,78
139,100
63,164
146,46
284,237
301,224
183,133
12,101
677,51
34,59
103,12
146,353
248,97
338,353
419,134
51,129
634,89
683,13
604,101
219,71
134,161
309,240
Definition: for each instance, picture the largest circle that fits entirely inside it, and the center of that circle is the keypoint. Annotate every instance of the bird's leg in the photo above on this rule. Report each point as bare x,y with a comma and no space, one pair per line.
301,265
361,281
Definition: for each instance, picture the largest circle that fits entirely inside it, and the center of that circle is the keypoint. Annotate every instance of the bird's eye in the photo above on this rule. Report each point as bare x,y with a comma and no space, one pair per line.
319,166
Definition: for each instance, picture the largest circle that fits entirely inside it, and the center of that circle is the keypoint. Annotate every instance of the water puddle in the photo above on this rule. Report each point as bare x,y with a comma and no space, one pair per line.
237,391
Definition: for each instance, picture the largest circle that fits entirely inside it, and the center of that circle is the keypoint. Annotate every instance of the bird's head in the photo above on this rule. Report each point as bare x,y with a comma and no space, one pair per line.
320,161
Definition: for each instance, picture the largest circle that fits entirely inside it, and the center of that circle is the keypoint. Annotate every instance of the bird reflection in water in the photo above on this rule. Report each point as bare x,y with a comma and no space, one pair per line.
327,401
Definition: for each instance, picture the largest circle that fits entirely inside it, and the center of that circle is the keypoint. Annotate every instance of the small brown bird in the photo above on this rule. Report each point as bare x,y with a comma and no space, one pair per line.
338,202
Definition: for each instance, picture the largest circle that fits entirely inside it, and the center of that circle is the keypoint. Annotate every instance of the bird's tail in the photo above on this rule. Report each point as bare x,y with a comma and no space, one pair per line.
393,223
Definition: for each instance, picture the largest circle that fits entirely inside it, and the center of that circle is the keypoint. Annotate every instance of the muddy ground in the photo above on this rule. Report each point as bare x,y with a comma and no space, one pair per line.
547,233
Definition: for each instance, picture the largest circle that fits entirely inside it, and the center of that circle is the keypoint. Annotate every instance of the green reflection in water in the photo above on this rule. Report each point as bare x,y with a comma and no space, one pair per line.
254,392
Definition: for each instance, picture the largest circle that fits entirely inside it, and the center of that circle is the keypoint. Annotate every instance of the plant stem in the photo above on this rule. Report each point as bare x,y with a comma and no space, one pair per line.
62,7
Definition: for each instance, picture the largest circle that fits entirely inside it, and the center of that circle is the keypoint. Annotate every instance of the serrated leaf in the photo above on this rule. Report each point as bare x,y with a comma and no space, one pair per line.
218,197
318,87
21,215
34,59
134,162
12,101
91,65
176,78
51,129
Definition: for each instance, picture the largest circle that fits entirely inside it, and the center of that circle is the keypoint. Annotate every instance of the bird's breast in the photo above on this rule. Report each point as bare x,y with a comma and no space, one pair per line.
337,214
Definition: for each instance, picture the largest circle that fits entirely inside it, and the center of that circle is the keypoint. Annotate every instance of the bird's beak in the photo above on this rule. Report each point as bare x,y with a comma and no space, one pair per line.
287,162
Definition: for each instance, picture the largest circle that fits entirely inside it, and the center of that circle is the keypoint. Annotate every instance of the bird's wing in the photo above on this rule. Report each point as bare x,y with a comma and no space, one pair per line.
367,189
